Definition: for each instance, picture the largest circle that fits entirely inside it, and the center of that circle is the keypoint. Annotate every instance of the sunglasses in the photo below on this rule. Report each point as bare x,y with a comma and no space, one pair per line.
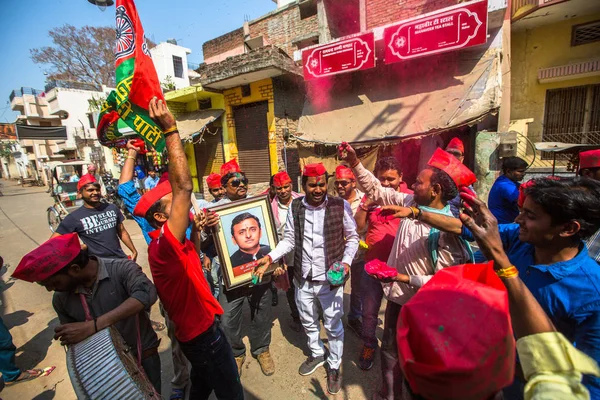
342,183
237,182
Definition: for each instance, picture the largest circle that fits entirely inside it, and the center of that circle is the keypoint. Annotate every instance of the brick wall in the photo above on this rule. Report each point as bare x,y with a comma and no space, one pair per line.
223,44
283,28
382,12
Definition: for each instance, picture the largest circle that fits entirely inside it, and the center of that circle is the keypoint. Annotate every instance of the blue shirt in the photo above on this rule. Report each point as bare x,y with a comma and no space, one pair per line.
568,291
502,200
150,182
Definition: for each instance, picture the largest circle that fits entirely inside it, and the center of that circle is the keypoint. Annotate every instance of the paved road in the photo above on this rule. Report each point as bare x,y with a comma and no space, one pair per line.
28,313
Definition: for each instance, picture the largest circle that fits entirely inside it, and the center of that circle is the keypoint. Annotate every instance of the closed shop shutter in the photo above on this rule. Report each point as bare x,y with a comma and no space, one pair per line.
209,154
252,137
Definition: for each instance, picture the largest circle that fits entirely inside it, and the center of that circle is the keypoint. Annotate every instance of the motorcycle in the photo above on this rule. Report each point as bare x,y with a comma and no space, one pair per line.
111,184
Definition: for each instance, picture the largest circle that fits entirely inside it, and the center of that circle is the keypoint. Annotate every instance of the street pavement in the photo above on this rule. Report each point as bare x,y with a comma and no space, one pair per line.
27,311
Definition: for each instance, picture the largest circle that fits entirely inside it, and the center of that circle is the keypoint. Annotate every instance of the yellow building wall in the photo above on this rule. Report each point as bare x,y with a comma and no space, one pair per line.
259,91
545,47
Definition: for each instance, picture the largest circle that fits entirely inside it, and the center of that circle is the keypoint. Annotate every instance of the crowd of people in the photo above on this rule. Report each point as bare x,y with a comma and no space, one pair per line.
518,318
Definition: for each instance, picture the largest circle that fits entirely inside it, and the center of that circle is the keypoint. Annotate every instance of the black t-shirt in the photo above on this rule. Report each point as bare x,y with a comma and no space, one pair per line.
97,228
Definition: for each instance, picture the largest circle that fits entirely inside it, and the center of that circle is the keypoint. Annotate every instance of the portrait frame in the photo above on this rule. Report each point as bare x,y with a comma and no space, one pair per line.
241,274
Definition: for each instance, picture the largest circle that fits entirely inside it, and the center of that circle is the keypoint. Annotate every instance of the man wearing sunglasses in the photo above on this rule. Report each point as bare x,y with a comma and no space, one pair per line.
235,183
345,186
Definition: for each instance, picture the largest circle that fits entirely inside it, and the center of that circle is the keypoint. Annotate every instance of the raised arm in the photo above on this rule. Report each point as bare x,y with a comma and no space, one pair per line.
127,170
368,182
179,172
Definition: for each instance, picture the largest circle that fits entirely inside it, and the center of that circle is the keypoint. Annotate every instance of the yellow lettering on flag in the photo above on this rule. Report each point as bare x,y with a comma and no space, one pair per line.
125,109
123,88
151,133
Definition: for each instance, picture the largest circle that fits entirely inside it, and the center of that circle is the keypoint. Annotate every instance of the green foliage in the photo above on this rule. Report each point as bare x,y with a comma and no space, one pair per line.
168,83
6,149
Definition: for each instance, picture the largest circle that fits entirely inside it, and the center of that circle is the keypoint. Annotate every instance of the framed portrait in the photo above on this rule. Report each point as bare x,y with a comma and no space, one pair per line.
246,232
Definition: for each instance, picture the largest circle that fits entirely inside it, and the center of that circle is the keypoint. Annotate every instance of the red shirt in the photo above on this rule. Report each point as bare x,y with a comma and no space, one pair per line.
381,231
181,285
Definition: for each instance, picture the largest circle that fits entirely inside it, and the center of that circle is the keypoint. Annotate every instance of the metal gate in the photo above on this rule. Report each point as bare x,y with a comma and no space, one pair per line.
252,137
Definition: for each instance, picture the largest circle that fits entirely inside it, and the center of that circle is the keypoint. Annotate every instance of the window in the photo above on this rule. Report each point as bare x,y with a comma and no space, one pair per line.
178,67
572,115
585,33
308,8
246,91
92,120
205,104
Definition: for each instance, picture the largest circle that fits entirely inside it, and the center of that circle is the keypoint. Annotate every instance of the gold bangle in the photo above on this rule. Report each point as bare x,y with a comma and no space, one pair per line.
509,272
171,129
131,158
415,212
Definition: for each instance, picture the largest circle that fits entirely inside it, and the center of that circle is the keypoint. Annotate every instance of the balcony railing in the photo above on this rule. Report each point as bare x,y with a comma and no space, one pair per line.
23,91
58,83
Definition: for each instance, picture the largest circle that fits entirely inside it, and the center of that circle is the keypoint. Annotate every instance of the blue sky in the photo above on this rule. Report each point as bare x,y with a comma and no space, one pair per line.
24,24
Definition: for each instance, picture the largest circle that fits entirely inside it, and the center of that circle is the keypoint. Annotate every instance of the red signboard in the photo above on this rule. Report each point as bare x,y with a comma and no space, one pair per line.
352,54
451,28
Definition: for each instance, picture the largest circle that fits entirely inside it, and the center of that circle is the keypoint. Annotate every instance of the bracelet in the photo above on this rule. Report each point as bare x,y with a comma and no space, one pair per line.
416,212
509,272
419,213
131,158
95,325
412,211
170,130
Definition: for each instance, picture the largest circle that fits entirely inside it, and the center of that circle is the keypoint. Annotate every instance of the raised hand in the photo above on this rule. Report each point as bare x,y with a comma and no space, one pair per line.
131,146
160,114
348,154
484,227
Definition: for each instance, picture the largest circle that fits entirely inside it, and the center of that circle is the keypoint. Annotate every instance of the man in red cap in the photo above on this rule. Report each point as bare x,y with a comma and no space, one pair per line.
457,149
381,230
321,232
284,195
99,225
419,251
213,181
345,186
177,272
589,167
116,291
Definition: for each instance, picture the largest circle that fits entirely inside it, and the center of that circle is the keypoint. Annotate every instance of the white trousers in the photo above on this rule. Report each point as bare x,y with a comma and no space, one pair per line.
332,303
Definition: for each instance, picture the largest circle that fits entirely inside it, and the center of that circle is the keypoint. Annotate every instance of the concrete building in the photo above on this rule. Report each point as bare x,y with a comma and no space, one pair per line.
171,63
555,75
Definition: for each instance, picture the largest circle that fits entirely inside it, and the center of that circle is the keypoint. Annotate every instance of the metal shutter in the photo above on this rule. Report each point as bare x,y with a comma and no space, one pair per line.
252,137
209,155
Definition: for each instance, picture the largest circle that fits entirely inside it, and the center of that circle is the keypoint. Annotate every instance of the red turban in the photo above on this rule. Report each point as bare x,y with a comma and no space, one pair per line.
49,258
589,159
281,178
317,169
343,172
151,197
442,348
456,144
230,166
213,181
461,175
84,180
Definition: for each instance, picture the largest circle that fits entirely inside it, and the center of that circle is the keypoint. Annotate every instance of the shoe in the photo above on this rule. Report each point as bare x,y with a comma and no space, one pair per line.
240,361
334,381
266,363
296,325
275,298
311,364
356,326
365,362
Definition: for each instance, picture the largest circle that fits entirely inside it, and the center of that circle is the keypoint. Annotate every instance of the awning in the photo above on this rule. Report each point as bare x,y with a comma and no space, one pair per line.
41,132
559,147
193,122
405,100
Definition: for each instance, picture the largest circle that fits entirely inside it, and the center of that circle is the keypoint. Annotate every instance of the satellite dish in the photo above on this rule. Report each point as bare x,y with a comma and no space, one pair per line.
102,4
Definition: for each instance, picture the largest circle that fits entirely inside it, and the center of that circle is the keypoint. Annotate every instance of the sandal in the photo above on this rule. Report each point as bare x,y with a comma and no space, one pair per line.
157,326
32,374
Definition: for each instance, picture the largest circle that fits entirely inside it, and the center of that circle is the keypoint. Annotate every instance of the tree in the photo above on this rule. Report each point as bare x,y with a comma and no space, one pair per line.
79,55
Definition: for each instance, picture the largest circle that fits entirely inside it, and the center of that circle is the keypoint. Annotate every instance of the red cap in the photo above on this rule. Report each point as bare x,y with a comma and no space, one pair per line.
163,178
589,159
442,348
151,197
281,178
456,144
84,180
343,172
316,169
230,166
461,175
213,181
49,258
